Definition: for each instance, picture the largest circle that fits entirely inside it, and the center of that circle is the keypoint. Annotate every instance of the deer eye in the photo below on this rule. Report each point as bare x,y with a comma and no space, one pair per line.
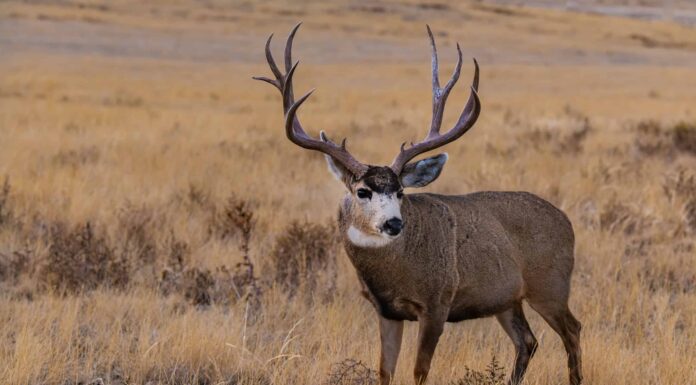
400,194
364,193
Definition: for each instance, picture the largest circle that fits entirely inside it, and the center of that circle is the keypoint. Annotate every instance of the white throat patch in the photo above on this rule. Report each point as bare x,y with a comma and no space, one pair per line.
359,238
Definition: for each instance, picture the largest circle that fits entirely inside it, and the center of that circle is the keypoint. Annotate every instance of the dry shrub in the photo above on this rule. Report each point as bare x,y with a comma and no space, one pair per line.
651,138
572,142
178,277
680,189
616,217
136,239
351,372
171,280
680,185
205,375
13,265
5,211
198,197
81,260
223,286
559,136
122,99
304,255
239,216
203,287
671,278
640,247
234,219
684,137
690,214
76,158
654,139
494,374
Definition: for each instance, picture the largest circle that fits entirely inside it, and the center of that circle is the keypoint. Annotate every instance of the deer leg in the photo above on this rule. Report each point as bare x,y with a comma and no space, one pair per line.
429,331
390,334
568,328
515,325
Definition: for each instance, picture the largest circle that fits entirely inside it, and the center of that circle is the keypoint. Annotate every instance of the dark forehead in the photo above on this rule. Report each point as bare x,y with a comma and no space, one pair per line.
381,180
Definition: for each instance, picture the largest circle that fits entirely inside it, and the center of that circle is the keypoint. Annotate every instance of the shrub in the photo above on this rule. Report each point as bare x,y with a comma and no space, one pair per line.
684,137
493,375
13,265
303,255
617,216
235,219
651,138
223,286
239,217
137,242
655,139
82,260
5,212
351,372
690,214
183,374
681,189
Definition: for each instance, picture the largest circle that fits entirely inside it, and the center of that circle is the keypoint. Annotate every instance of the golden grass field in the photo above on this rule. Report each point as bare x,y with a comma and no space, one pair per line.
143,121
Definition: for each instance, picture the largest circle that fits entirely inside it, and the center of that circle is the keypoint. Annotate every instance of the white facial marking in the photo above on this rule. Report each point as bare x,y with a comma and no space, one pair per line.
359,238
389,206
383,207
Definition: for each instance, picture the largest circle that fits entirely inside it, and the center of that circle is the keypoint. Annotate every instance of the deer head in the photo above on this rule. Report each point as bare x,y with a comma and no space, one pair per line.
375,193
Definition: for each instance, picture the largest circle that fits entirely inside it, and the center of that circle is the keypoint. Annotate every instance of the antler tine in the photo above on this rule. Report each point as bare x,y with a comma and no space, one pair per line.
435,66
288,47
293,128
473,105
466,120
440,95
298,136
278,83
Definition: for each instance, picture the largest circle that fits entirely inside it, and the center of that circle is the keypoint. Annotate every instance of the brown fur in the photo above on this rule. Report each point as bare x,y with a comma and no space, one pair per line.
470,256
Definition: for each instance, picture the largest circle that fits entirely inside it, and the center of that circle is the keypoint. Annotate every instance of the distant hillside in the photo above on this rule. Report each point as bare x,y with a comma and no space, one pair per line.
681,11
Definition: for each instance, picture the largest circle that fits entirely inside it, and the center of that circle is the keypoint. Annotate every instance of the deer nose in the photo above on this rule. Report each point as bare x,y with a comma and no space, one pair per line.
393,226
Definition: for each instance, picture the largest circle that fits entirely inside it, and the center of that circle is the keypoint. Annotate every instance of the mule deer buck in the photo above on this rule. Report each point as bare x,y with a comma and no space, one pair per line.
438,258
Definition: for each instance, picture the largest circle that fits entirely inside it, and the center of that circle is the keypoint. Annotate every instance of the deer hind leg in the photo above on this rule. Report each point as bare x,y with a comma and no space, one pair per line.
515,325
391,333
568,328
429,331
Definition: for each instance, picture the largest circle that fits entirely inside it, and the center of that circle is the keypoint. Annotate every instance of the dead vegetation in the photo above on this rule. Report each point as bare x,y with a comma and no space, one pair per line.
494,374
654,138
304,259
80,259
5,213
351,372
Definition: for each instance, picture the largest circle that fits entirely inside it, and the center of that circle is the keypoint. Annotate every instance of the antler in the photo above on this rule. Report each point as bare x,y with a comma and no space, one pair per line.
293,128
466,120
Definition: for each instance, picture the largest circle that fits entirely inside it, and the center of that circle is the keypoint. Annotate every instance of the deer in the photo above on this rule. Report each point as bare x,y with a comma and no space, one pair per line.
435,258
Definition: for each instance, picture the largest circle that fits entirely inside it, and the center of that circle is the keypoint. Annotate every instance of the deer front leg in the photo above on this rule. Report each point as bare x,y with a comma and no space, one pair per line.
390,334
429,331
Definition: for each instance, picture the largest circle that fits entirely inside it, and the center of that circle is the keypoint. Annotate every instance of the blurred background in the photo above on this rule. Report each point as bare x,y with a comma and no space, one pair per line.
157,227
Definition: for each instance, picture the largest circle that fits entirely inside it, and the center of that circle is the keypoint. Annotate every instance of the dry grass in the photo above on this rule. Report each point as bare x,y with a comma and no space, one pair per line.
156,227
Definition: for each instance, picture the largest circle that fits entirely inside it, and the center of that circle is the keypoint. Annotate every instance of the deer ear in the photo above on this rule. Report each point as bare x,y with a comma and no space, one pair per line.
420,173
338,171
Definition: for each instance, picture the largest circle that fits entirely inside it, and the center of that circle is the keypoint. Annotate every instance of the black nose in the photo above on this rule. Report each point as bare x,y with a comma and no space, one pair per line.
393,226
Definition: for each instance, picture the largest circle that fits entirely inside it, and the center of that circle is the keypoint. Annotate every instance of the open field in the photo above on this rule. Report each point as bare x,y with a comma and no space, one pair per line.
134,146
